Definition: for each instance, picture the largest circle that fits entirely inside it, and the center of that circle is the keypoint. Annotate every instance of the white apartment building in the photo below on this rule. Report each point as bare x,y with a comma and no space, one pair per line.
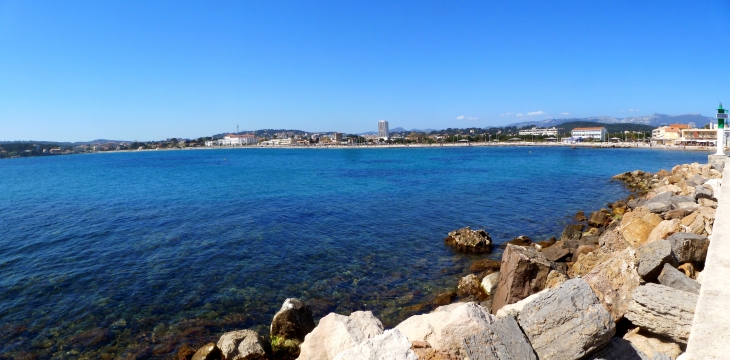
553,131
234,140
279,142
383,131
589,133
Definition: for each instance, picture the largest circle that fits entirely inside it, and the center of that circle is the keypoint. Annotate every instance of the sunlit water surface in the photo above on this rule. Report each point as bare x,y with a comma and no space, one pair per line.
136,255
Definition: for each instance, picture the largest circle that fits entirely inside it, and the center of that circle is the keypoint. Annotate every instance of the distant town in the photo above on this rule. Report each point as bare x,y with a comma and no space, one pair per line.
568,133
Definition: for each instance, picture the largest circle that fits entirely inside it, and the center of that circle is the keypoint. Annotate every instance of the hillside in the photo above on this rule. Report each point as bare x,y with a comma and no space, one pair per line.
650,120
612,128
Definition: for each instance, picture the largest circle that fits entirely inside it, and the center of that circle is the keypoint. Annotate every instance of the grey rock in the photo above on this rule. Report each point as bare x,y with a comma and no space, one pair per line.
568,322
618,349
652,257
243,345
704,192
633,204
446,328
688,247
659,207
676,200
503,341
661,197
698,179
293,321
677,213
676,279
662,310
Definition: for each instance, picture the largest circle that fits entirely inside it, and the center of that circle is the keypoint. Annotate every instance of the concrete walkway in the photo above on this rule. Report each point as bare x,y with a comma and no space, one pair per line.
710,335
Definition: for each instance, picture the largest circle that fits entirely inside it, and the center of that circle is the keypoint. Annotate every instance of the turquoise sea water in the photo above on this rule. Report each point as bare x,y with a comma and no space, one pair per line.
135,255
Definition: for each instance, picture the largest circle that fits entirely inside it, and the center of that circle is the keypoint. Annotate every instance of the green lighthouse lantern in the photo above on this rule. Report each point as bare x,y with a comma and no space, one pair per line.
721,118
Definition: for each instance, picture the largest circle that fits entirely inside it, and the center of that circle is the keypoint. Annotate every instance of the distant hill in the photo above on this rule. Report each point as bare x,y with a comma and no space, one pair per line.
650,120
612,128
400,130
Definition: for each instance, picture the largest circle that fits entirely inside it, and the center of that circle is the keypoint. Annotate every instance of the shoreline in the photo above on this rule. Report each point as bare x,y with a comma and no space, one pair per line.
617,267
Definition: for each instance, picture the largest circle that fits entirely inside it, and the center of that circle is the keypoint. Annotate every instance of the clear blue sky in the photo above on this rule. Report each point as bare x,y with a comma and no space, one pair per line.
145,70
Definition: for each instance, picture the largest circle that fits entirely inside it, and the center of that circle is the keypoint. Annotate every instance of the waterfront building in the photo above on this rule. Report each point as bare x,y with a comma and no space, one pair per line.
589,133
704,137
279,142
383,130
234,140
553,131
336,137
668,135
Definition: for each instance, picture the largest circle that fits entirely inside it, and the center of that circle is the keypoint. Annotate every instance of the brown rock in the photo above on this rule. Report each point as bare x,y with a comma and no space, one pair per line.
571,235
556,252
580,216
521,240
583,249
614,280
444,298
185,353
469,285
523,272
599,218
208,352
611,240
652,345
483,265
663,230
677,213
689,270
468,240
554,279
637,225
424,351
586,262
548,243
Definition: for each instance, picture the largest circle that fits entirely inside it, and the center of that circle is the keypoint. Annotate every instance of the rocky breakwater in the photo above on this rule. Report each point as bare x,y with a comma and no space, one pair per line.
621,283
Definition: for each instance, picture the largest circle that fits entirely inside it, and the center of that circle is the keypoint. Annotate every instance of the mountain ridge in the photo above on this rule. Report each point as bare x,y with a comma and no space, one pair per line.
651,120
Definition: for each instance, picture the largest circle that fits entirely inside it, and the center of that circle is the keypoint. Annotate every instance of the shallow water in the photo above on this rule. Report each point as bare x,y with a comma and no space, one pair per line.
135,255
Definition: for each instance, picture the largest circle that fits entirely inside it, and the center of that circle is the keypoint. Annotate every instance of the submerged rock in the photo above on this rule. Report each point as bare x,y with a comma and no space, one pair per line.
468,240
487,265
208,352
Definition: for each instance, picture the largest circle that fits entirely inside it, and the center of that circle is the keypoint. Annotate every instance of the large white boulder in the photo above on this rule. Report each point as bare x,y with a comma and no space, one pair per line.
337,333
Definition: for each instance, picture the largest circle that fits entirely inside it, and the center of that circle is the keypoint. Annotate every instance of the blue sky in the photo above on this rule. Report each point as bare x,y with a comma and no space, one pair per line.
145,70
